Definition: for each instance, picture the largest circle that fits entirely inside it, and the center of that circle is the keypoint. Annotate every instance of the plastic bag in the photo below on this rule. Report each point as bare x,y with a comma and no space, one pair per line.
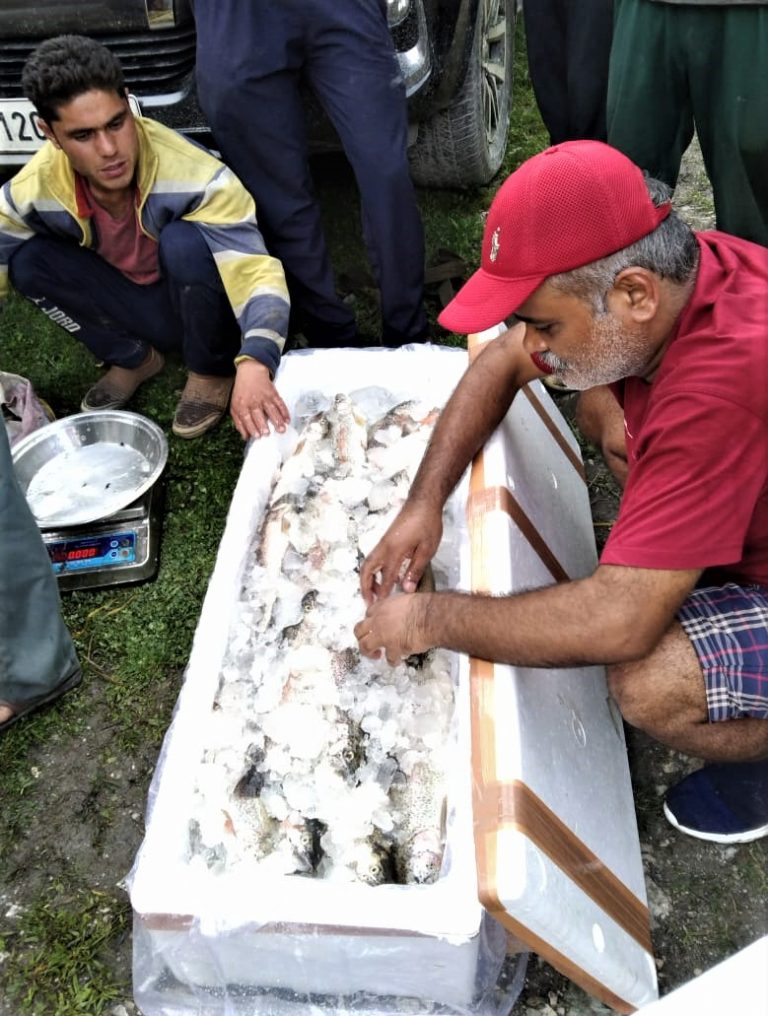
23,411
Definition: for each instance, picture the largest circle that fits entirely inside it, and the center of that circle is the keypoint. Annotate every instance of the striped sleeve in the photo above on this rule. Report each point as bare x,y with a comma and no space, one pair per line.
253,280
13,233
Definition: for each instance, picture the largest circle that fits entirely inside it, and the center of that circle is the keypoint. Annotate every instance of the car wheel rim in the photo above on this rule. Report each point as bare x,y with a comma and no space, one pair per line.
494,64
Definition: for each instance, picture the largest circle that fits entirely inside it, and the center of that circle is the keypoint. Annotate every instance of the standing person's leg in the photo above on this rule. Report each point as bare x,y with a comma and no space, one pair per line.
649,107
249,60
728,66
352,66
37,658
589,29
569,44
121,323
545,41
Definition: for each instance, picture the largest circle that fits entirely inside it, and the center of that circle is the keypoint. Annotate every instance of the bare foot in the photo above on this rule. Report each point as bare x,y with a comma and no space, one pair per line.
5,713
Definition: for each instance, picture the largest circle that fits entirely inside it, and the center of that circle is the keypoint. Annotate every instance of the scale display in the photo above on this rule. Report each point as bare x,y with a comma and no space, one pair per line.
106,551
118,550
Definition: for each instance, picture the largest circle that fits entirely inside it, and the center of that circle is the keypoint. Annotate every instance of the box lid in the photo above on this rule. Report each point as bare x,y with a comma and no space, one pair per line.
557,848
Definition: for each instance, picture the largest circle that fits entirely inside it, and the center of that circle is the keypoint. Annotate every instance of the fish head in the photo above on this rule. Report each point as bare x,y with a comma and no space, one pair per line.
425,867
422,858
348,752
250,783
372,865
315,430
304,841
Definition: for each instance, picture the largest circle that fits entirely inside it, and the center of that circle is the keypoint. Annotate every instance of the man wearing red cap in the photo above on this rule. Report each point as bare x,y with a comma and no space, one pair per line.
608,287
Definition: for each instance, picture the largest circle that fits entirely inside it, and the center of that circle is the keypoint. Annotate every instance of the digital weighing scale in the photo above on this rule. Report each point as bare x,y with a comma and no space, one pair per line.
94,484
112,552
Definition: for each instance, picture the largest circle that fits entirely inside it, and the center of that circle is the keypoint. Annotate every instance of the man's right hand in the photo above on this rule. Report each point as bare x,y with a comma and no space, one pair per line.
476,407
255,402
410,541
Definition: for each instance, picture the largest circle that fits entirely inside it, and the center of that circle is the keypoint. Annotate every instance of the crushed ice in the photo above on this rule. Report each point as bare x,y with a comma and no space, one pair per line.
317,761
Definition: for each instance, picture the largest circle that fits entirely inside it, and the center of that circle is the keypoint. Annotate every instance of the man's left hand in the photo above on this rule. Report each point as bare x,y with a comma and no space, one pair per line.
255,402
397,625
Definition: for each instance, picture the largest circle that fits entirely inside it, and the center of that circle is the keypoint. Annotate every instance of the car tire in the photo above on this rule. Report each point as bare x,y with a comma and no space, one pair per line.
464,144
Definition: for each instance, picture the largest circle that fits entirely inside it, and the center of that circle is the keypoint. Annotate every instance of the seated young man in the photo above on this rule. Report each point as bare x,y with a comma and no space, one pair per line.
609,287
136,241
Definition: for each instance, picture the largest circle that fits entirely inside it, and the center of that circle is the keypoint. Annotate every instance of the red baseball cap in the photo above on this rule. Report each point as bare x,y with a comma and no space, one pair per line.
569,205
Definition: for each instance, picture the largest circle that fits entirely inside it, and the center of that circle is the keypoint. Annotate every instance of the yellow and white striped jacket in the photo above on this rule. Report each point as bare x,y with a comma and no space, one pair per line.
176,179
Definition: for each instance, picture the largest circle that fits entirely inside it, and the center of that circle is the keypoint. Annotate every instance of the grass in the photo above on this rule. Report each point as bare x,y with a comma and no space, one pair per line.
56,967
57,955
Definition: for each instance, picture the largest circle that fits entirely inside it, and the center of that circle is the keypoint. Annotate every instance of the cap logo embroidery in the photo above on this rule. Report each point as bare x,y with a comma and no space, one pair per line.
495,244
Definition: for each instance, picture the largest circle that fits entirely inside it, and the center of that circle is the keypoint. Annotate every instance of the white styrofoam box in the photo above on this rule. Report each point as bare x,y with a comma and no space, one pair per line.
554,749
737,985
297,935
555,734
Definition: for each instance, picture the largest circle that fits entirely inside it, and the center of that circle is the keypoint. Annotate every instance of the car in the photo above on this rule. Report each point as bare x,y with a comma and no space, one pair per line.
455,57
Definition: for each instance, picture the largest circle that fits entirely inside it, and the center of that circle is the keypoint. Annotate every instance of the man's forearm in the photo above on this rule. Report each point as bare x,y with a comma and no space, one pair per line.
615,615
470,416
535,629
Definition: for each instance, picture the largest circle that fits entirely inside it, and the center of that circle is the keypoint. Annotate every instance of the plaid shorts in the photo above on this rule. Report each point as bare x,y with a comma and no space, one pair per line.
728,628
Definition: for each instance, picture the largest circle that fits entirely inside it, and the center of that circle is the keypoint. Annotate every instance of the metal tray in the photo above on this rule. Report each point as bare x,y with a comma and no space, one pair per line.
88,466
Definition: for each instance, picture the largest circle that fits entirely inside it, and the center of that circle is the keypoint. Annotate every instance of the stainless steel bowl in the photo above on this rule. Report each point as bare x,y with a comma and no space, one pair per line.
88,466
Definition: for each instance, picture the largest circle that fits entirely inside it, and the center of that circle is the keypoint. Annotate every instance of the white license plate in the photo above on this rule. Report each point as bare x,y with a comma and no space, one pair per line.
20,134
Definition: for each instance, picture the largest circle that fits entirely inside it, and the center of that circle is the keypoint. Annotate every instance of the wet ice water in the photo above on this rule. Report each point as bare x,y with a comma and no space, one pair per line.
98,476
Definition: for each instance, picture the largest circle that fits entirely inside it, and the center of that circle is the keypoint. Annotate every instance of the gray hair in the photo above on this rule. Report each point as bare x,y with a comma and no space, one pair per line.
670,251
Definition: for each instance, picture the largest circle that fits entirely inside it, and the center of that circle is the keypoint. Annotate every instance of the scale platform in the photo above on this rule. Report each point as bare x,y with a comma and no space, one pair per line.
115,551
94,484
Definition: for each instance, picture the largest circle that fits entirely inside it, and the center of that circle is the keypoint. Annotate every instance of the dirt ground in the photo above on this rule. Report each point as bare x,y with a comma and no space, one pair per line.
706,901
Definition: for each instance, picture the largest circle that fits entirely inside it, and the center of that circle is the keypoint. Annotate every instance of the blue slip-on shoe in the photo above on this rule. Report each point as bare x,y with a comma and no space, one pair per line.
723,802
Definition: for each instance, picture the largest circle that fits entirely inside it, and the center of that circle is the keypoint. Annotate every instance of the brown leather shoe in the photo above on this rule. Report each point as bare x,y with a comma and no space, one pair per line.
119,383
203,403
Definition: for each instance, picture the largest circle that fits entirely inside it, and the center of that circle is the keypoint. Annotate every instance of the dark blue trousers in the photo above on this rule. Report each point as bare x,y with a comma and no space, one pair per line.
251,59
187,309
569,47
